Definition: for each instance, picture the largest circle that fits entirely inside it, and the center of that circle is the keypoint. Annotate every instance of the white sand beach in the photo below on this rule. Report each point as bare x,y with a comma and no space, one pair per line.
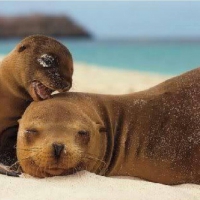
88,186
91,78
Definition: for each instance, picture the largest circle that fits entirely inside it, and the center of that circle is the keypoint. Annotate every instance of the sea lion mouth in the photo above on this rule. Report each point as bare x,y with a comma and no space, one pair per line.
39,91
64,171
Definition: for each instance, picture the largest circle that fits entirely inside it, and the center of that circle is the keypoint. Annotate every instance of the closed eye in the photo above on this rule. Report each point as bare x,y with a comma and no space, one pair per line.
83,133
31,131
22,48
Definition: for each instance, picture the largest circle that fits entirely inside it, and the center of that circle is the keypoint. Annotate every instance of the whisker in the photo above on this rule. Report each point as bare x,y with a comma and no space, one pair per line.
15,165
94,158
29,148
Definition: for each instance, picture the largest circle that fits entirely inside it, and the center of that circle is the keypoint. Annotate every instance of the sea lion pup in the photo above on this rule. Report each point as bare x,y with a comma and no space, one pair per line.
153,134
36,67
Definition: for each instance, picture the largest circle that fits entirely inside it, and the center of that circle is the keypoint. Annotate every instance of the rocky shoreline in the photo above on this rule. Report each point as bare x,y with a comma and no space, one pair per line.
56,26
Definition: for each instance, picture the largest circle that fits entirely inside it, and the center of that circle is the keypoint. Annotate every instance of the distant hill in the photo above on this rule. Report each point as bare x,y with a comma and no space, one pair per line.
58,26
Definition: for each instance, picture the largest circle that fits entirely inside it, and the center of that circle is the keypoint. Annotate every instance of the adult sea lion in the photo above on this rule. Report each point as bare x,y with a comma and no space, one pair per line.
153,134
36,67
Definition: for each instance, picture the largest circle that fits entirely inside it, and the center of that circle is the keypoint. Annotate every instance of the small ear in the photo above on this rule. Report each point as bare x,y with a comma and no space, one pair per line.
101,127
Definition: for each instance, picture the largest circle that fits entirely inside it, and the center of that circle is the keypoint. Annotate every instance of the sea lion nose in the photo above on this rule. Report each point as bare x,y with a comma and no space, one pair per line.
66,87
58,148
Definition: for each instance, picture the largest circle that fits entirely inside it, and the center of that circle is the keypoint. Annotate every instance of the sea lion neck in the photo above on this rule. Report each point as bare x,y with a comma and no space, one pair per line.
12,89
112,114
13,101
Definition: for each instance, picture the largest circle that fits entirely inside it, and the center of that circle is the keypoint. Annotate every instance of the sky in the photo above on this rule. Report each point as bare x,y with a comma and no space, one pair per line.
120,19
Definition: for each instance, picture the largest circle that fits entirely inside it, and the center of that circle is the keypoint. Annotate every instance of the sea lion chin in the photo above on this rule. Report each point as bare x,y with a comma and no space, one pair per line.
153,134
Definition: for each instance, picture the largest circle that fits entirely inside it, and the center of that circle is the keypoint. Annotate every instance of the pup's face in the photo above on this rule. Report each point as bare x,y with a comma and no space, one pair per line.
56,140
45,66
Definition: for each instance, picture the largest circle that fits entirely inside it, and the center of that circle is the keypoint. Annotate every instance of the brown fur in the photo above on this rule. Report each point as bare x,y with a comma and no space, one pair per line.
18,71
153,134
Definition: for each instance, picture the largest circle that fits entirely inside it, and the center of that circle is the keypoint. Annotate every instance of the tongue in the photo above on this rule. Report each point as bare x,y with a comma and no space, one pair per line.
42,92
39,92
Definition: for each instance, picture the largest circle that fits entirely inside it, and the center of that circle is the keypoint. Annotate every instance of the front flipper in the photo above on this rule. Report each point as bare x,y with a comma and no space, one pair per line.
7,171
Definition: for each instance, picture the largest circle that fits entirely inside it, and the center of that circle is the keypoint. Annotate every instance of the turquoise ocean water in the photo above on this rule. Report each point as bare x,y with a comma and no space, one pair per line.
169,58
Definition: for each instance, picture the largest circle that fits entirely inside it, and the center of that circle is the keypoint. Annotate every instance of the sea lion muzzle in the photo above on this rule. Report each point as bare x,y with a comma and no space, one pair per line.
39,91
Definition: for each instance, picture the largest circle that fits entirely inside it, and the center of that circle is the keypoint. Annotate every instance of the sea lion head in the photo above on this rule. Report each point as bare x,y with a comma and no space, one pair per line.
58,139
44,66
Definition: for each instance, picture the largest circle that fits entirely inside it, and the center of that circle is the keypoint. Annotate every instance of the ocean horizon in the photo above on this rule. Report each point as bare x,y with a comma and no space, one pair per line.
166,57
